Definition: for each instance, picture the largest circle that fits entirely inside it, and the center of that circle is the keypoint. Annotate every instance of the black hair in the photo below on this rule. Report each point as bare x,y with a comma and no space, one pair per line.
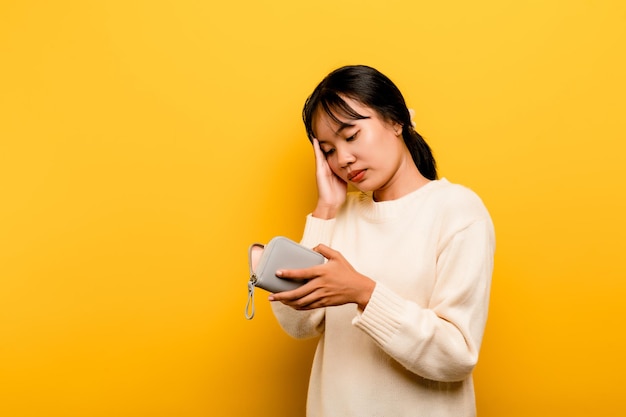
372,89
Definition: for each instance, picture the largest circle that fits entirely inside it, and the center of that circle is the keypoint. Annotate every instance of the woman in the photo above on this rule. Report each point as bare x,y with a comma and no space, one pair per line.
401,304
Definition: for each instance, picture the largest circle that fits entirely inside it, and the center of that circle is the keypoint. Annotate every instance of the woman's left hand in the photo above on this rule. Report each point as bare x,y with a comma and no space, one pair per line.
332,284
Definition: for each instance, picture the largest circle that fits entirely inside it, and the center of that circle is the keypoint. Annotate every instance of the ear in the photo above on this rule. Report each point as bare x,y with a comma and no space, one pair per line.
397,129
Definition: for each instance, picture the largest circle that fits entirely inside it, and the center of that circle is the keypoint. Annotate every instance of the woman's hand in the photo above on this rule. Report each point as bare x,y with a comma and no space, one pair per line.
332,284
331,189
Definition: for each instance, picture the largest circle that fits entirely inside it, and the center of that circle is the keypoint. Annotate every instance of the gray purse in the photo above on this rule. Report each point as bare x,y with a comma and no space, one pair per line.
265,260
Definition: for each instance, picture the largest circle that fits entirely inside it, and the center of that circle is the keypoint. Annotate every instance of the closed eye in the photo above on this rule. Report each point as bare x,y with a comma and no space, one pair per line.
351,138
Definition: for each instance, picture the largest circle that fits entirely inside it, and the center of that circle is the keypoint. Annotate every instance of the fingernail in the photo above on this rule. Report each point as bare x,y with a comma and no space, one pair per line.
279,273
271,297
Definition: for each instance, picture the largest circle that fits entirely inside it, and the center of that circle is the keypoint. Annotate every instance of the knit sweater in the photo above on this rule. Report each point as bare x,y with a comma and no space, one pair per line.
412,350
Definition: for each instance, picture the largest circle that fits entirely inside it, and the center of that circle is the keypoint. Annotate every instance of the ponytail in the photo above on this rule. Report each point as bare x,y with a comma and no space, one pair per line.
421,152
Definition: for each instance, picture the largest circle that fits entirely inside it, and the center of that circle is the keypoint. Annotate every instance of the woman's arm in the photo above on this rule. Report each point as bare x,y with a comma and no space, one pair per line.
306,324
440,342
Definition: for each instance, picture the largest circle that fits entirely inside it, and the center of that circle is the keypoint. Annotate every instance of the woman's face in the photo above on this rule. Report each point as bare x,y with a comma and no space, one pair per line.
368,153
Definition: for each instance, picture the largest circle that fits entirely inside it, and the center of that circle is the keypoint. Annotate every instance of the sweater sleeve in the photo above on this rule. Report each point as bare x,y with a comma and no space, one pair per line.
317,231
306,324
440,342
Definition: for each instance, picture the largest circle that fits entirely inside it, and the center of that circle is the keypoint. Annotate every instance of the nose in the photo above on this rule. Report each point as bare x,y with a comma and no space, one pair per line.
345,157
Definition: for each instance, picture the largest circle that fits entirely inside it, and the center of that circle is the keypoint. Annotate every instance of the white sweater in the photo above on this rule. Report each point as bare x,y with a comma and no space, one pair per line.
413,349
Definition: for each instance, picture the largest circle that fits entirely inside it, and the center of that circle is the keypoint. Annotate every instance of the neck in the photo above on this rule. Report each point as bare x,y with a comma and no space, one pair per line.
405,181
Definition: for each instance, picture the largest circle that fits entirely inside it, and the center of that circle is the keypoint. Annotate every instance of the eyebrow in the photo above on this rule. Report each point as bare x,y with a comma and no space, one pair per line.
343,127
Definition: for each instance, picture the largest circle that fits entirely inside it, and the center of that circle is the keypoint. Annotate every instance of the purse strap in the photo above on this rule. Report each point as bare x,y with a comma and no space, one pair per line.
249,312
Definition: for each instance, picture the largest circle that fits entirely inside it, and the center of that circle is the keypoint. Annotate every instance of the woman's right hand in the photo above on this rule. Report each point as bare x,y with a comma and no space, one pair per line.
331,190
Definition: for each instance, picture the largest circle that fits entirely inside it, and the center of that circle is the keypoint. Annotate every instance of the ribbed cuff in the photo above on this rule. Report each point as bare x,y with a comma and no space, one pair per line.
381,318
317,231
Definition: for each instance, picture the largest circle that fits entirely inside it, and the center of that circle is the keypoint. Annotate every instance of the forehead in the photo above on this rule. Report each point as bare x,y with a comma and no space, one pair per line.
331,121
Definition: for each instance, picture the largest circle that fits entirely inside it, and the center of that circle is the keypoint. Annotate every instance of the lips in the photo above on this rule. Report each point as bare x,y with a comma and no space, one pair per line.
356,176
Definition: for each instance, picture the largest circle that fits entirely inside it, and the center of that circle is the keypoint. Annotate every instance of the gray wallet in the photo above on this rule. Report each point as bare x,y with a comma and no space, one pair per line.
265,260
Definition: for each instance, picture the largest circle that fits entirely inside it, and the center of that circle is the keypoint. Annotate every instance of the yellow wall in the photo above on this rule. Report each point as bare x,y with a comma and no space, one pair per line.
145,144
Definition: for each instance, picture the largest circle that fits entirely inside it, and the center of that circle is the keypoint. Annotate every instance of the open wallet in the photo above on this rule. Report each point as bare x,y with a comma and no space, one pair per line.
265,260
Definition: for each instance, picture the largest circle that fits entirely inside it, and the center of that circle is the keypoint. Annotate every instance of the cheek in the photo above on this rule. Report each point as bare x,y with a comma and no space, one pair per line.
334,166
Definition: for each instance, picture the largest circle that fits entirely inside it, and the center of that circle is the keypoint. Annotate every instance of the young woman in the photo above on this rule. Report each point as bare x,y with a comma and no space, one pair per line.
401,304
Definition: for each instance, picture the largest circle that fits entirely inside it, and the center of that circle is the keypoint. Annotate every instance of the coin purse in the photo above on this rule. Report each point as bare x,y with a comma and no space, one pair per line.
265,260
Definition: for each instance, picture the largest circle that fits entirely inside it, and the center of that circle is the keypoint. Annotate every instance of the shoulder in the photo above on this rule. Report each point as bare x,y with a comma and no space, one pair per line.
457,196
458,205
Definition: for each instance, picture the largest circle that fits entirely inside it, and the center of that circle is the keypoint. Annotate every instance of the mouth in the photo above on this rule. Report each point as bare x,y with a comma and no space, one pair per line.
356,176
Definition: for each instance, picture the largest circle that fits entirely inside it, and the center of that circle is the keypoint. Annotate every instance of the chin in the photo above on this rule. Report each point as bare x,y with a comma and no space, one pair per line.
362,188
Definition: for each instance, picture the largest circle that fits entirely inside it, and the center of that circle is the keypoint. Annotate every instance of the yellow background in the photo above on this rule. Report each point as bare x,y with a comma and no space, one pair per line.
145,144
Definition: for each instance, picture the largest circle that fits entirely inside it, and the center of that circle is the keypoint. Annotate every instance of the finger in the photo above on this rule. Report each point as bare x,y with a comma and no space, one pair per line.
299,300
316,145
303,273
327,252
289,297
320,158
316,148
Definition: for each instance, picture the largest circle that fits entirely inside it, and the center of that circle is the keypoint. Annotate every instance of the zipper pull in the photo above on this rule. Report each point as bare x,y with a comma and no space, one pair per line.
250,304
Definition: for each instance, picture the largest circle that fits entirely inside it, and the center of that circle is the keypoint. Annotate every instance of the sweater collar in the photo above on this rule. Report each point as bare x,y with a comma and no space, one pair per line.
384,210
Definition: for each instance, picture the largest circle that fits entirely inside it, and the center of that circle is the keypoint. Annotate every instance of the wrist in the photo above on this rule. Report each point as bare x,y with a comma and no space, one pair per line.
325,212
366,294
